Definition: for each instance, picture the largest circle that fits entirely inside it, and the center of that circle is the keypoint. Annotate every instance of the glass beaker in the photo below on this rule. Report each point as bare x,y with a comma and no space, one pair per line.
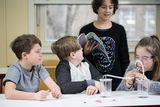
142,88
105,87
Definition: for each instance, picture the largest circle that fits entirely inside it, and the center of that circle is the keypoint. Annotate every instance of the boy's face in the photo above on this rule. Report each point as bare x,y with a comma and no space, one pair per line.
79,55
34,57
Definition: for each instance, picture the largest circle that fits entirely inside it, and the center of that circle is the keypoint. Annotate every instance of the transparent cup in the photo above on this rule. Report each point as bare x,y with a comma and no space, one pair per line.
105,87
142,88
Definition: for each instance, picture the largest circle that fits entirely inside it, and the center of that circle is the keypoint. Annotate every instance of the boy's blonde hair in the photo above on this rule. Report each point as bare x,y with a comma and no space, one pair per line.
64,46
152,45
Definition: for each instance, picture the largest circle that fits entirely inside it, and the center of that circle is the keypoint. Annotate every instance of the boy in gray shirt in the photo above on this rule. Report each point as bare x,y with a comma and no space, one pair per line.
22,78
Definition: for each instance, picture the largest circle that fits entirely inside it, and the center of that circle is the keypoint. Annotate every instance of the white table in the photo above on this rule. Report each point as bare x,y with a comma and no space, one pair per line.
80,100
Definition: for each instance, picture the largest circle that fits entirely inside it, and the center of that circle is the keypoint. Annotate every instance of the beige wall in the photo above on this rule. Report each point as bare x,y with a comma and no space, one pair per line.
14,22
14,17
2,34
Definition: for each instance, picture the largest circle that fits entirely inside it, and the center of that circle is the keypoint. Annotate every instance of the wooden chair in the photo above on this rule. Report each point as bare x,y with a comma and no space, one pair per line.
50,62
50,66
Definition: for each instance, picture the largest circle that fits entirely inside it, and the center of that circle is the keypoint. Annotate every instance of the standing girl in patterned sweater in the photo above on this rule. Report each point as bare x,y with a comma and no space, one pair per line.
113,36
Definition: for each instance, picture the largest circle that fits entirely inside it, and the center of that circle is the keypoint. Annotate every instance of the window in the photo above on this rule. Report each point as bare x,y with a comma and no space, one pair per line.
138,20
69,22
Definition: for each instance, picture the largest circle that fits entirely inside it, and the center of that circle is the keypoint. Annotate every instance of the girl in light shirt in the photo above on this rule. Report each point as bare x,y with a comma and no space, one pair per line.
148,52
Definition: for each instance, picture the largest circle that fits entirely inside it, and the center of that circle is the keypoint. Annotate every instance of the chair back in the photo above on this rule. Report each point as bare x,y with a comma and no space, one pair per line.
50,66
50,62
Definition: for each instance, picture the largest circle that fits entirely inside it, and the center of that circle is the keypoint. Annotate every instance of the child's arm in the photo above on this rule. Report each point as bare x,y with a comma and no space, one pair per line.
154,86
56,92
12,93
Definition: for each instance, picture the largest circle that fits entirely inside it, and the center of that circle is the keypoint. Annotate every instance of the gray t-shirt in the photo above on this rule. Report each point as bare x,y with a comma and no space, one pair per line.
24,80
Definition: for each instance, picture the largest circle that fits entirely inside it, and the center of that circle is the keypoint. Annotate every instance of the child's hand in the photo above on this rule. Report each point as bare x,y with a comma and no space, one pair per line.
89,47
41,95
91,90
140,76
129,82
56,93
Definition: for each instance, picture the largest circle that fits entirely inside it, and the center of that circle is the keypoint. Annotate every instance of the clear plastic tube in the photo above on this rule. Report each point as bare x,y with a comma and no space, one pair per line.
108,75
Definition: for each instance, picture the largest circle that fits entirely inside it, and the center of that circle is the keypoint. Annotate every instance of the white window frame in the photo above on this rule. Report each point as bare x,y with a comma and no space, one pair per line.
46,49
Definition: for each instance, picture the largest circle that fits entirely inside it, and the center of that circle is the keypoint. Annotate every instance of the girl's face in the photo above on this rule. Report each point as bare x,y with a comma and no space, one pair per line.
34,57
146,58
105,11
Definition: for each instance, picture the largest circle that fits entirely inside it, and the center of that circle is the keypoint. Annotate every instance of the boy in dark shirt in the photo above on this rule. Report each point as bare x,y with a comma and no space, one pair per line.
74,74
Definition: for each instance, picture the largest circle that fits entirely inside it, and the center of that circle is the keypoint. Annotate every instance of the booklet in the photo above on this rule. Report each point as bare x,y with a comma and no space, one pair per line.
82,39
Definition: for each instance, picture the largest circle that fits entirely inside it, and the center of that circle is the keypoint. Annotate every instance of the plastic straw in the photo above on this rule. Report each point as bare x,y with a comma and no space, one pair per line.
108,75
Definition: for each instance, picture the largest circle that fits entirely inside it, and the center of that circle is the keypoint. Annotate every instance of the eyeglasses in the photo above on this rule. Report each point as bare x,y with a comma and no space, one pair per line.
144,58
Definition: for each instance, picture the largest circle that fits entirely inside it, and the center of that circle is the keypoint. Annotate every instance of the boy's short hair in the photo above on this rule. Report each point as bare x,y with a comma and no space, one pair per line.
64,46
97,3
24,43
